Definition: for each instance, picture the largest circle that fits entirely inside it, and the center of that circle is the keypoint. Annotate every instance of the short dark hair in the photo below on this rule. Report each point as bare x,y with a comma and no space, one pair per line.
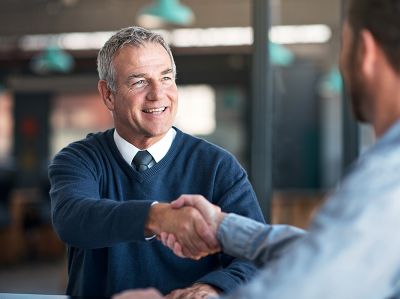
382,19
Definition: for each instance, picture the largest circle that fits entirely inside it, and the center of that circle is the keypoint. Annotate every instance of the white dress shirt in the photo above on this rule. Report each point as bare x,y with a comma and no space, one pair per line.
158,150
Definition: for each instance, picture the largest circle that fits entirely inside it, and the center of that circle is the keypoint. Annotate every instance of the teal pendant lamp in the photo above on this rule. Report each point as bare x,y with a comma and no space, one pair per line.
165,12
332,82
280,55
52,60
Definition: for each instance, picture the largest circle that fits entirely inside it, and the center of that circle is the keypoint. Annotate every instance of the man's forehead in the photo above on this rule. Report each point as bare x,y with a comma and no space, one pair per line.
127,49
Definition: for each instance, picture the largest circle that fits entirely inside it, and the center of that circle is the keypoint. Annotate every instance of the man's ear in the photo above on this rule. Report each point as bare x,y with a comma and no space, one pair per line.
106,94
369,52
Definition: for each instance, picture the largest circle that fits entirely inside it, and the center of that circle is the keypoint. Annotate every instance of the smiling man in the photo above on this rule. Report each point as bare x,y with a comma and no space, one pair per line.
111,191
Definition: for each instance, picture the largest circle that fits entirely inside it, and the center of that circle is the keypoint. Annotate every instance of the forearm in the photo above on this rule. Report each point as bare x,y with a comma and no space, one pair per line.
97,223
155,218
257,242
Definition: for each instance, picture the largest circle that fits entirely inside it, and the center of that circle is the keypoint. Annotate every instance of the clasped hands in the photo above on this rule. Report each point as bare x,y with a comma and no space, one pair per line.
188,226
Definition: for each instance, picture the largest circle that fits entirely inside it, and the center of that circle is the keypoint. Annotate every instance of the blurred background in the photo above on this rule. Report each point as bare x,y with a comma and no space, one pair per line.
276,103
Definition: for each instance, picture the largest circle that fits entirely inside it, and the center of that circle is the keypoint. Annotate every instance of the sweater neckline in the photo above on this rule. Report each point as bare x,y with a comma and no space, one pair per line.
141,176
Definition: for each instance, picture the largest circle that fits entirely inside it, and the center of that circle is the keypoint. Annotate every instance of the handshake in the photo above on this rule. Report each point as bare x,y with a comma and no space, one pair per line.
188,226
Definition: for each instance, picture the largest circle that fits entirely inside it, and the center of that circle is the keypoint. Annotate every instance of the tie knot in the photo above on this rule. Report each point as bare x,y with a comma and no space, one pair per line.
143,161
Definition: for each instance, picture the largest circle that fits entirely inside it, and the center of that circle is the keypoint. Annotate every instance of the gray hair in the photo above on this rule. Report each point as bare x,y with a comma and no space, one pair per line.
134,36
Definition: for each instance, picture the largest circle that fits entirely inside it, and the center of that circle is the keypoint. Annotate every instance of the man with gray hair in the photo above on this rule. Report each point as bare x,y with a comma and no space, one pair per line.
111,191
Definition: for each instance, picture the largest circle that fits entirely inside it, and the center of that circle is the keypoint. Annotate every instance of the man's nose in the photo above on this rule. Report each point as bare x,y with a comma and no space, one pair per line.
156,91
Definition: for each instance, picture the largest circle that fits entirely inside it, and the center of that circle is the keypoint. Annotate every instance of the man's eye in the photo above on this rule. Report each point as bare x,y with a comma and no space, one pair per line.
139,83
166,78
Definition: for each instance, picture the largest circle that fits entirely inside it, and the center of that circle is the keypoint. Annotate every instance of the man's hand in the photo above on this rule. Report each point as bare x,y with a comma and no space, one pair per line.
185,224
139,294
212,215
196,291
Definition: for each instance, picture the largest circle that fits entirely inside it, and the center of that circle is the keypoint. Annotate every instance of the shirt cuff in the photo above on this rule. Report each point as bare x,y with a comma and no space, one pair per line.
236,234
152,237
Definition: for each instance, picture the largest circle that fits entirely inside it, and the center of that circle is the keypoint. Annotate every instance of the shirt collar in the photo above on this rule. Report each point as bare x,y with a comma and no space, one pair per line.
158,150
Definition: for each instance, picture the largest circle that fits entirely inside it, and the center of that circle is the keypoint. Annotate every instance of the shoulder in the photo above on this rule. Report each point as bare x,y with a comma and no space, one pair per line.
205,155
377,169
199,146
87,148
371,185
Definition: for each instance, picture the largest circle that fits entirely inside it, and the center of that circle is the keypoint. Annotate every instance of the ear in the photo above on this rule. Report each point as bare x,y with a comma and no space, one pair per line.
369,53
106,94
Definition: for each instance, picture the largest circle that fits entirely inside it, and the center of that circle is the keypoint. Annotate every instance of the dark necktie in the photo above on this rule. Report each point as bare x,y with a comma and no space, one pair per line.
143,161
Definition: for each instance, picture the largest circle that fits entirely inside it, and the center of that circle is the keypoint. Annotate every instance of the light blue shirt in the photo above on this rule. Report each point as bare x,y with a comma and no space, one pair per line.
352,250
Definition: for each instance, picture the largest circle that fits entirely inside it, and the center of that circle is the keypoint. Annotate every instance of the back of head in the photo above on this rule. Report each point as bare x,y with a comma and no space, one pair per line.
132,36
382,19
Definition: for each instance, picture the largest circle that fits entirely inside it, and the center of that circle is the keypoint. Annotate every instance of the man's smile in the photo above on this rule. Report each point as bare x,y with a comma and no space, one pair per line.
155,110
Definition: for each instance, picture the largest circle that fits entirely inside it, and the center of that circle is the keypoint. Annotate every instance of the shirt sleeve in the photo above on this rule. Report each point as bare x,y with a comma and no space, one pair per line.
254,241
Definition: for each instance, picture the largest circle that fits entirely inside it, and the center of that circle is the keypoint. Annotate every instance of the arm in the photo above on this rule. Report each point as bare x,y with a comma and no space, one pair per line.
254,241
83,218
239,236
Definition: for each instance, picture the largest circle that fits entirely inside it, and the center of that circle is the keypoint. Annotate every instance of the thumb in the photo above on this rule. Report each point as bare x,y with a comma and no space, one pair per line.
177,203
181,201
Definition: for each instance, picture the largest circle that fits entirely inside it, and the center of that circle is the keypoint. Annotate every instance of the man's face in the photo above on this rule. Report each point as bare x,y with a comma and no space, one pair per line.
350,65
146,99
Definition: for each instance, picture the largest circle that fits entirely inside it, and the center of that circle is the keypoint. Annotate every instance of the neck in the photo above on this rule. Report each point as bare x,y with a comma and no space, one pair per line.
387,104
141,142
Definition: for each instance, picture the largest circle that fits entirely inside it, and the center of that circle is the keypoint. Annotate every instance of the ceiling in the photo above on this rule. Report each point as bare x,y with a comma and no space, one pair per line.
22,17
19,17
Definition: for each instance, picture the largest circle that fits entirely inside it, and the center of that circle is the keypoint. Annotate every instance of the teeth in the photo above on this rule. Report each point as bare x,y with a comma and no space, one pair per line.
155,110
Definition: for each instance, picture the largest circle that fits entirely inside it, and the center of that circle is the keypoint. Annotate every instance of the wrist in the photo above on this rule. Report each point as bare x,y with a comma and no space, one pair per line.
153,223
220,217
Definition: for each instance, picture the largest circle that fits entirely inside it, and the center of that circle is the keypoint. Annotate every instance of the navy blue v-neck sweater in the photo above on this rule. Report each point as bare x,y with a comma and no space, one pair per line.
100,205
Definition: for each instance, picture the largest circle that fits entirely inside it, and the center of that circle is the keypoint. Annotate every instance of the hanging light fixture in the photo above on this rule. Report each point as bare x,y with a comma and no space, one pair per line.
280,55
52,60
165,12
332,82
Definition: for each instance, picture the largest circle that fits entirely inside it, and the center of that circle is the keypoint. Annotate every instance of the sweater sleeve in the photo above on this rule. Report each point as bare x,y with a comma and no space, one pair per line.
80,216
234,194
